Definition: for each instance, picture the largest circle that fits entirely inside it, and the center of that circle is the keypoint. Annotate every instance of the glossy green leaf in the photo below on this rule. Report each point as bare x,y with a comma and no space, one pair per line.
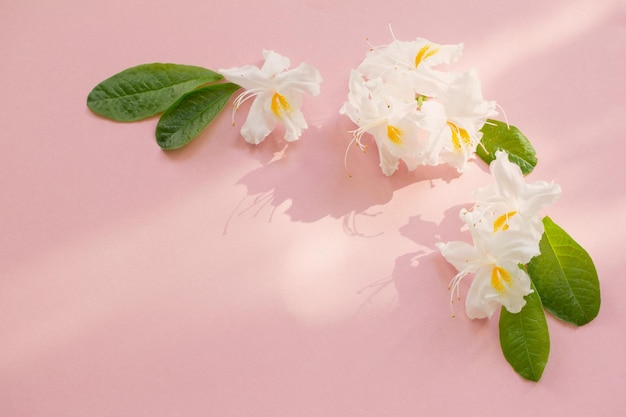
524,338
186,118
146,90
500,136
565,276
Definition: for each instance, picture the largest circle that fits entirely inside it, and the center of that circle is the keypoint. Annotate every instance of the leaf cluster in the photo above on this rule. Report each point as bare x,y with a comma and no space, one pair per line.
188,96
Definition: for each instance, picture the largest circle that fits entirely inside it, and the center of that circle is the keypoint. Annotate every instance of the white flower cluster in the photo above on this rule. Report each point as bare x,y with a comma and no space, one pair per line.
417,112
506,227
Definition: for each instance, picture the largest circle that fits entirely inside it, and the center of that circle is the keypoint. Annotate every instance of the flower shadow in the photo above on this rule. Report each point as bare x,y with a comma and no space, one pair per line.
413,271
310,178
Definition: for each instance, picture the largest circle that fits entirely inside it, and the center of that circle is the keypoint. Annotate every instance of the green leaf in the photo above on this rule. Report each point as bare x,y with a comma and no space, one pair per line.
524,338
500,136
565,276
186,118
146,90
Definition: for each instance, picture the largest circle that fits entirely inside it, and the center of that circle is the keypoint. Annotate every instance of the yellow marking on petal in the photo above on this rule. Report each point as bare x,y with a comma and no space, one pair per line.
500,276
280,105
460,137
502,222
425,52
395,134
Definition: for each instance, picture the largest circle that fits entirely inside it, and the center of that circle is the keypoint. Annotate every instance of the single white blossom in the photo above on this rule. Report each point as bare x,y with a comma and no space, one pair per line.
389,112
466,112
510,202
277,92
495,259
414,61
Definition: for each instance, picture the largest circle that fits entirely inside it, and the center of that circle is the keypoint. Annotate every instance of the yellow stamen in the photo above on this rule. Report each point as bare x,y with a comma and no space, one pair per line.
425,52
395,134
502,222
280,105
500,276
460,137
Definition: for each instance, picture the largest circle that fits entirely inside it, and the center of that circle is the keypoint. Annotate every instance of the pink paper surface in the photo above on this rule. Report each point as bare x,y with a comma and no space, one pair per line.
225,279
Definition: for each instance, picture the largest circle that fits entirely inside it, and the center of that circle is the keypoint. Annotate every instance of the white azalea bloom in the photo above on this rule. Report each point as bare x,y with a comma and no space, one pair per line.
466,112
277,92
446,109
414,61
390,115
494,258
506,227
510,202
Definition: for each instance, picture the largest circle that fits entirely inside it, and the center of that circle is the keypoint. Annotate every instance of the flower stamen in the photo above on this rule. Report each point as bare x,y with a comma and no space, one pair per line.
454,288
424,53
460,137
394,134
356,139
280,105
500,277
502,223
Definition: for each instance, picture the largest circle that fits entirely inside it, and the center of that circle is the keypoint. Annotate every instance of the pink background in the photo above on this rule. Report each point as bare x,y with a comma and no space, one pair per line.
225,279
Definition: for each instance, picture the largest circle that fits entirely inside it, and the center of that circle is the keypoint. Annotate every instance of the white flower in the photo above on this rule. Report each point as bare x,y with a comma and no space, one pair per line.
495,259
466,113
389,113
510,202
414,61
506,228
441,111
278,95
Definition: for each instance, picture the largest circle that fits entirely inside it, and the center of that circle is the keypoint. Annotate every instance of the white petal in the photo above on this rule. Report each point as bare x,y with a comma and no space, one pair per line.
304,79
514,246
388,162
456,159
508,176
480,301
274,63
249,77
294,125
538,195
259,123
513,300
460,254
